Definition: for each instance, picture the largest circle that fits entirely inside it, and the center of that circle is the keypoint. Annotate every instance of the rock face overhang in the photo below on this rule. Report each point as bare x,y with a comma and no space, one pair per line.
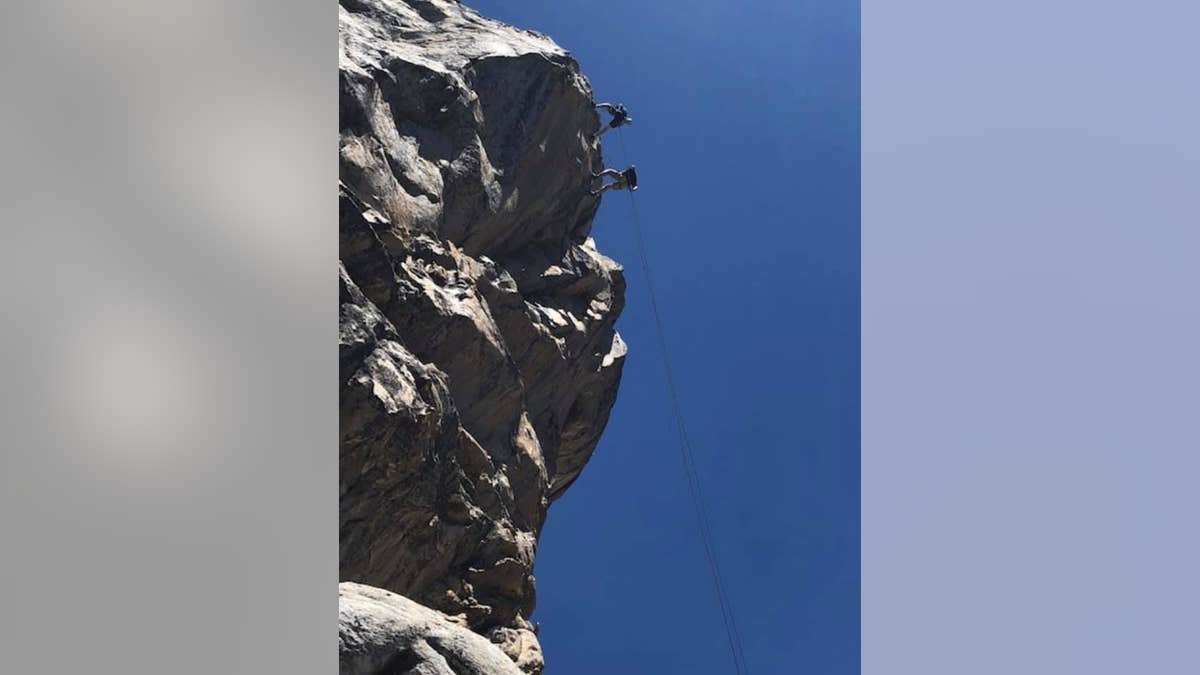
478,359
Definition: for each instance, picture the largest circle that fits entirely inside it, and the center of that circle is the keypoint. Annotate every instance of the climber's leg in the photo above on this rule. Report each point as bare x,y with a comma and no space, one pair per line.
605,188
608,172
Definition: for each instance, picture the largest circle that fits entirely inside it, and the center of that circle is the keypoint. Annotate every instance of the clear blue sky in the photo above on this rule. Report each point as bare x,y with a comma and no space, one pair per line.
747,147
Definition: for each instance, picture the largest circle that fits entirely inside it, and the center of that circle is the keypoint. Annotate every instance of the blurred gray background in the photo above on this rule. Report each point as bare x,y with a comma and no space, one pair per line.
169,403
1030,327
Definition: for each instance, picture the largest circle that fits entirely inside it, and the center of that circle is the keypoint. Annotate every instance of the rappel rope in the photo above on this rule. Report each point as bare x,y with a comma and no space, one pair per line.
685,449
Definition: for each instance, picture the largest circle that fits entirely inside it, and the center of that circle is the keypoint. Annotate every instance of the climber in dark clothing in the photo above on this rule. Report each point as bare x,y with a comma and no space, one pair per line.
621,180
620,117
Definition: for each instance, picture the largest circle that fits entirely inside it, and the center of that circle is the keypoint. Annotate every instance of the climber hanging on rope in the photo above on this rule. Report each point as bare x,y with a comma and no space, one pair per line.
621,180
620,117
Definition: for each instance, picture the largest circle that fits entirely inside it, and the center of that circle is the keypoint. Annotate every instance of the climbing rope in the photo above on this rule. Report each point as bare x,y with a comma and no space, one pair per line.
685,448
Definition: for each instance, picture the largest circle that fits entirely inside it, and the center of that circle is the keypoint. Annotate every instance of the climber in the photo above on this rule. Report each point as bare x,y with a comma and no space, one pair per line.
621,180
620,117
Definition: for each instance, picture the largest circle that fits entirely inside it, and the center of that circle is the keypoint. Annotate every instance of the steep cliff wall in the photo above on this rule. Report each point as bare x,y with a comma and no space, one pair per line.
478,357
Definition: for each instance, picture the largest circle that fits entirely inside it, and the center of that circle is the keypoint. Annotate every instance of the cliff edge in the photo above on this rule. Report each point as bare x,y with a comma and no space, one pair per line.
478,358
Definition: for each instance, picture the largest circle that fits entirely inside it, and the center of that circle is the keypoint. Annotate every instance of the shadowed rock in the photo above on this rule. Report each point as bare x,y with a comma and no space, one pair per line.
478,357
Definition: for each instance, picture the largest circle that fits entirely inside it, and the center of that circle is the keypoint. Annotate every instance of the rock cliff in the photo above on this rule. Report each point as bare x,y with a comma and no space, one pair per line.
478,357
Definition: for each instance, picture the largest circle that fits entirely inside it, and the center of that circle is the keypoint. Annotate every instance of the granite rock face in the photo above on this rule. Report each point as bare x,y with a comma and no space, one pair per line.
478,357
382,632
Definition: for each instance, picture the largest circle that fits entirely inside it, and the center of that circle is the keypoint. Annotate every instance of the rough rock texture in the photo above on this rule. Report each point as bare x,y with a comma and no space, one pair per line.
477,351
382,632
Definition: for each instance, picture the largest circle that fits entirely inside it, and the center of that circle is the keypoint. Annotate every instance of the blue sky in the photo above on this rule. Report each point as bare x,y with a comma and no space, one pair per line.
747,146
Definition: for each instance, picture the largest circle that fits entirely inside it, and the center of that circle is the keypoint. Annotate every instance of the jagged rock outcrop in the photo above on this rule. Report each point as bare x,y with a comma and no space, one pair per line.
478,357
382,632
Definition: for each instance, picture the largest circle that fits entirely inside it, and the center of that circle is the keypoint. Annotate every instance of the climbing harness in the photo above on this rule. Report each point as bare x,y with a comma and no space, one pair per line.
685,448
